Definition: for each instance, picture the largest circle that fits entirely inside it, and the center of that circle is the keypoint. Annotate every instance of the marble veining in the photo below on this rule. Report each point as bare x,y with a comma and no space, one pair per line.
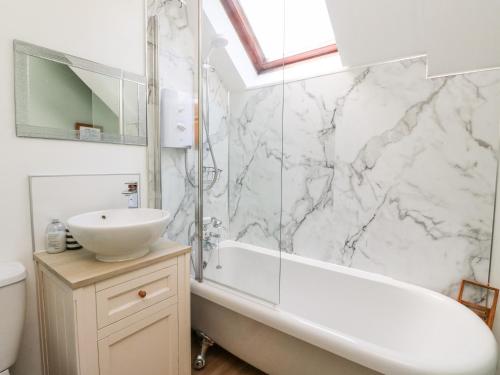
383,170
176,51
177,71
376,168
255,167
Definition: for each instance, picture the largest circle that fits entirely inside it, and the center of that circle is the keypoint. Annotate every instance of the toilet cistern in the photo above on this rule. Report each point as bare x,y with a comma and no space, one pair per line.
13,302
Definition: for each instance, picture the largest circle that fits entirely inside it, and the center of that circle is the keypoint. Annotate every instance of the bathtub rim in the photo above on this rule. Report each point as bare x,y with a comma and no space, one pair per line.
354,349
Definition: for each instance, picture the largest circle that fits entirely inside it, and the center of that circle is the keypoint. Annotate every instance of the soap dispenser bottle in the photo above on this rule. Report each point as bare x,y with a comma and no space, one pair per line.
55,237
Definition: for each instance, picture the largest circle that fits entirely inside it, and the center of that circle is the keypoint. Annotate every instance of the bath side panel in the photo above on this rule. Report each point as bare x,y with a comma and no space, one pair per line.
263,347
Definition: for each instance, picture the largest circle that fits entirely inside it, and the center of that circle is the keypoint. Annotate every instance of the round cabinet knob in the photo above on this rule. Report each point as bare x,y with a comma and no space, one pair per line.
142,293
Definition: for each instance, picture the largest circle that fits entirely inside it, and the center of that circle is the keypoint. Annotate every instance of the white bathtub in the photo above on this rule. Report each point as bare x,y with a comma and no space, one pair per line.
335,320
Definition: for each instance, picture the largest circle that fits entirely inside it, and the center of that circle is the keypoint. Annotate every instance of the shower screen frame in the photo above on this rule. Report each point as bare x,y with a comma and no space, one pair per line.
198,144
154,132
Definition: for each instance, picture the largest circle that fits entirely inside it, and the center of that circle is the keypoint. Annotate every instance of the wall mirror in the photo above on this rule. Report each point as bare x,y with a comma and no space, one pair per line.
59,96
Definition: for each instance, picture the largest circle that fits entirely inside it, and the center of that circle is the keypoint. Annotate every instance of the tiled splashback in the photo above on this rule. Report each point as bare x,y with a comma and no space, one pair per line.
61,197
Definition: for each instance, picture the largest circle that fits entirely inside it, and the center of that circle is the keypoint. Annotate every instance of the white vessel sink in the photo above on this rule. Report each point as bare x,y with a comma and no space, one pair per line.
118,235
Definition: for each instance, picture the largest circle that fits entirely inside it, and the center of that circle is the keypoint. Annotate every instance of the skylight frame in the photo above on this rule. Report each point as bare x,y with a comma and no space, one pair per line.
244,30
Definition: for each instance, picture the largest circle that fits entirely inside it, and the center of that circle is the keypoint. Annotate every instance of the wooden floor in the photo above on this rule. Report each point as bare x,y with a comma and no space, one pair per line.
221,362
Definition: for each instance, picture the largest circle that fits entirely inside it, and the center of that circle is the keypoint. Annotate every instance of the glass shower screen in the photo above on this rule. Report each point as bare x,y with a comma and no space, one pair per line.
219,102
241,120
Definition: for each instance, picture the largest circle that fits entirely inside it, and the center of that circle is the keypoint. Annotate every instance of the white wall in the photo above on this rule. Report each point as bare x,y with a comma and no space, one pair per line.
110,32
463,35
456,35
369,32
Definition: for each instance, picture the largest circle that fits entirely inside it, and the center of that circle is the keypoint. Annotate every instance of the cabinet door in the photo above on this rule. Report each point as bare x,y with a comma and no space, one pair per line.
146,347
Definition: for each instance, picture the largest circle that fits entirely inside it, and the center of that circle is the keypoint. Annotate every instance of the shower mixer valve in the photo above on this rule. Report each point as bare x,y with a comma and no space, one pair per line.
216,223
209,236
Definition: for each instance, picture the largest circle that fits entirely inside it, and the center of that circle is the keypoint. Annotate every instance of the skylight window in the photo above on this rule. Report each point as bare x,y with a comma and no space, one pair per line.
259,24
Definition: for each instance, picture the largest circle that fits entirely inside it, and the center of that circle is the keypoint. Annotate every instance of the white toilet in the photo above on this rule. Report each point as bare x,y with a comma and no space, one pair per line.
12,309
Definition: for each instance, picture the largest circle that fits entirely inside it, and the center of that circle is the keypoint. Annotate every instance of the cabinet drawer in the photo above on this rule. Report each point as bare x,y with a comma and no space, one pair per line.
122,300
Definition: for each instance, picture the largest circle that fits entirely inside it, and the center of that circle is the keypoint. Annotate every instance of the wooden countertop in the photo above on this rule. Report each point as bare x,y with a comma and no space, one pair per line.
80,268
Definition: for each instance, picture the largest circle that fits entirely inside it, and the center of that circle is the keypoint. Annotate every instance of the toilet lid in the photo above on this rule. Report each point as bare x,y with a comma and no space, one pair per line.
11,272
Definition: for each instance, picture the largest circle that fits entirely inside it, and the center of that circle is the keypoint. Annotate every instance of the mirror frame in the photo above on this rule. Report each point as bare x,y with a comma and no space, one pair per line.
23,50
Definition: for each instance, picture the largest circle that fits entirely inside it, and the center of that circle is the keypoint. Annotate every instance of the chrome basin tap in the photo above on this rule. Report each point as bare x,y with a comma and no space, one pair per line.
133,194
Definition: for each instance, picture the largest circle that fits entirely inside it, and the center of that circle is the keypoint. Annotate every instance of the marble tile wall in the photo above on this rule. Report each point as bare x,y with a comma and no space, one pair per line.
177,46
215,200
378,169
177,62
383,170
255,147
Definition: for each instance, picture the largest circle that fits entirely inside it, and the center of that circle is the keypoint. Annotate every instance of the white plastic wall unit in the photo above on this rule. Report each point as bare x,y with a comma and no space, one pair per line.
176,118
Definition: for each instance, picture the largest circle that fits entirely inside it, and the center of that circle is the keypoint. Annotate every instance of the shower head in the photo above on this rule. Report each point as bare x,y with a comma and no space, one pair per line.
217,42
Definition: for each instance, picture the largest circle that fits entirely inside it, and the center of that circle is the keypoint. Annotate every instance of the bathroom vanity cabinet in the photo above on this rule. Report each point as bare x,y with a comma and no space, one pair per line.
124,318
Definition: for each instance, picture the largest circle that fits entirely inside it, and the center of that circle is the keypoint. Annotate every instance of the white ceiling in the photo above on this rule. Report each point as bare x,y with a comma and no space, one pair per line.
456,35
